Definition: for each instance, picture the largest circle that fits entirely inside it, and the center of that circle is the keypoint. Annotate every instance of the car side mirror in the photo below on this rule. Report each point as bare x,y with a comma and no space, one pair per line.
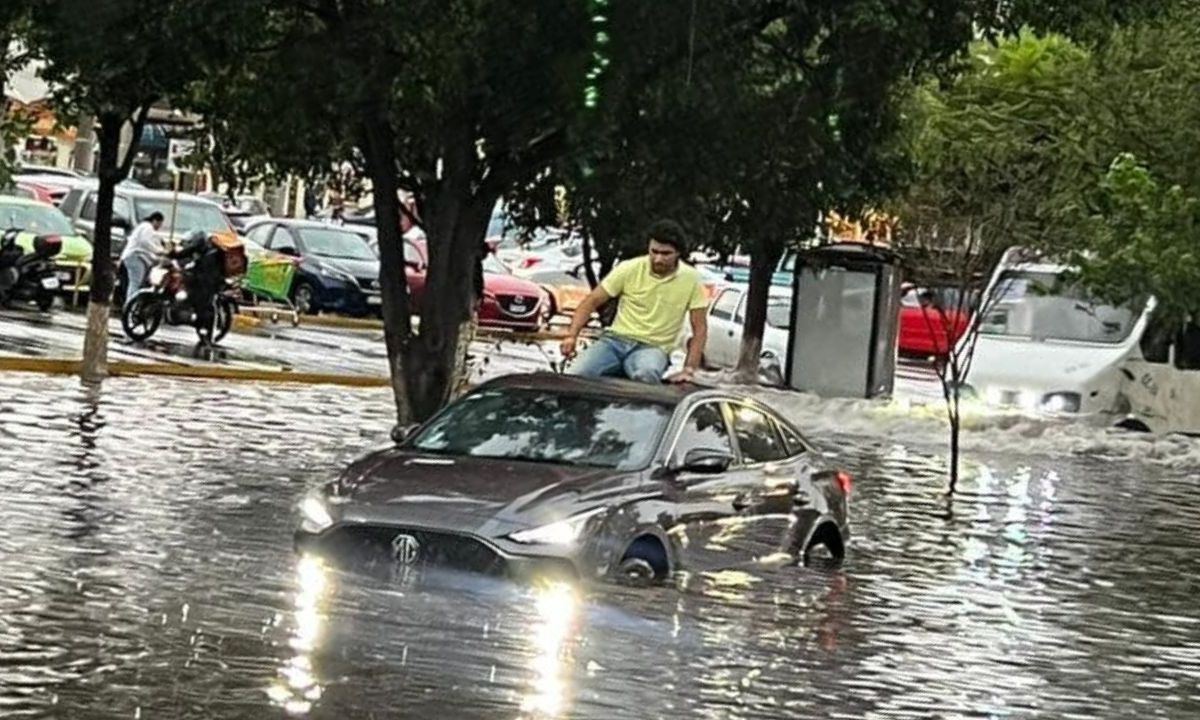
698,461
121,222
289,251
401,433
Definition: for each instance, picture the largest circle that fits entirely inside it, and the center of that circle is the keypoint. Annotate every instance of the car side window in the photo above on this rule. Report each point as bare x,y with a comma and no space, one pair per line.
70,204
89,208
726,304
1187,350
283,241
704,429
261,234
791,439
757,437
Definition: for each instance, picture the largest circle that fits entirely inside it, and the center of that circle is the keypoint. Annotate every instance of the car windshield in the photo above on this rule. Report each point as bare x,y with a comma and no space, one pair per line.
545,426
35,219
332,242
187,216
1040,305
779,312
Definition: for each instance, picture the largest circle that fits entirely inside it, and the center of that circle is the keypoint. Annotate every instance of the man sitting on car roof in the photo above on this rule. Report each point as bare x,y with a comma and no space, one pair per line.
656,292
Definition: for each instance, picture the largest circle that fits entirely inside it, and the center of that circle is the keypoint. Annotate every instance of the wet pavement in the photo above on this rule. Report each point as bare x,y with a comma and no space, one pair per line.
145,551
268,346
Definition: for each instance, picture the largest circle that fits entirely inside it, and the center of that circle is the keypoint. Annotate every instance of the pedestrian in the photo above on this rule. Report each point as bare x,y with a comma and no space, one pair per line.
656,292
143,248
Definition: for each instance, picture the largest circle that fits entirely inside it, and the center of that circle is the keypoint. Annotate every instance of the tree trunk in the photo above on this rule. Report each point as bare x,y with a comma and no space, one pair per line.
955,429
95,341
380,152
455,225
762,270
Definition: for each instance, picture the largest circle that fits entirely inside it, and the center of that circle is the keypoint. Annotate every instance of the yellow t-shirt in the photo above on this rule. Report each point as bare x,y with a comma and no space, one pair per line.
653,309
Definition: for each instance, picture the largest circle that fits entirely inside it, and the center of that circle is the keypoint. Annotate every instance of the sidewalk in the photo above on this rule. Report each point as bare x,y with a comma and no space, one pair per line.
350,355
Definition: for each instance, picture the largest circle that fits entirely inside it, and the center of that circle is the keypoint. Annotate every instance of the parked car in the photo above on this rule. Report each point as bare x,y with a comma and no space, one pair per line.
35,191
242,210
726,320
337,270
594,478
73,263
58,185
566,290
924,330
131,205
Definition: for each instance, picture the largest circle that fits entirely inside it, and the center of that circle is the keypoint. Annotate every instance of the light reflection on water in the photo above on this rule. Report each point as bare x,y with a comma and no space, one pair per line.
146,558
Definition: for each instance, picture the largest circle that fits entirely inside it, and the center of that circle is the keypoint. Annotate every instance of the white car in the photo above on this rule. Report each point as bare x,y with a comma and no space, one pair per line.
726,318
1045,346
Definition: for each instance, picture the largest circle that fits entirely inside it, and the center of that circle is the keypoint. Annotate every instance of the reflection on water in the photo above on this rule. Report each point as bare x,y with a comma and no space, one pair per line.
145,551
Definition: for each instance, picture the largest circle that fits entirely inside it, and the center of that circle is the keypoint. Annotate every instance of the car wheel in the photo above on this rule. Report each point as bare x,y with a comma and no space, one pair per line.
644,563
304,297
825,550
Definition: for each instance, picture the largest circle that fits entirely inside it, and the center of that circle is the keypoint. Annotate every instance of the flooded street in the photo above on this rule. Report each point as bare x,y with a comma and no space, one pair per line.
147,571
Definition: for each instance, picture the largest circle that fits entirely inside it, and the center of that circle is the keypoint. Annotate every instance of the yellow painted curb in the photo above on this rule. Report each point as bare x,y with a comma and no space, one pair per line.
245,322
59,366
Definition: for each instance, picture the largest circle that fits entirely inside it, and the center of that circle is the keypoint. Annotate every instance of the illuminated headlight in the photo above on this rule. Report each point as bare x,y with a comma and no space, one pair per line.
314,515
563,532
993,396
1064,402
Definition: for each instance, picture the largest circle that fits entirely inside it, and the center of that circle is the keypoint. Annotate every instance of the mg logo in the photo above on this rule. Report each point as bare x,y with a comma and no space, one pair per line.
405,549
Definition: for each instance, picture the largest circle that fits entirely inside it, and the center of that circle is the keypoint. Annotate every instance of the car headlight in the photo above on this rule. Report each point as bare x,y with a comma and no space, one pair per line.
1062,402
563,532
314,515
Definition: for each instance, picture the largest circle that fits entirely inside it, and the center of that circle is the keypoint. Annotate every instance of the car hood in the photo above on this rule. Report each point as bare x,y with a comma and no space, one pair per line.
401,486
358,268
498,284
1021,364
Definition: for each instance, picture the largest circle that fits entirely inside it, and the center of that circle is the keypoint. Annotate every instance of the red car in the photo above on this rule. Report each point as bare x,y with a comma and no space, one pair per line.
508,301
923,330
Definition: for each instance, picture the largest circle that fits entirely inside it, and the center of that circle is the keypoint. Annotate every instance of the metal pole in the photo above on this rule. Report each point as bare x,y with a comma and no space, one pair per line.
174,204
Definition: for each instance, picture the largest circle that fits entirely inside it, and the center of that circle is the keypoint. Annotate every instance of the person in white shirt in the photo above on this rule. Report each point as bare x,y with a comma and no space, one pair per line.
143,248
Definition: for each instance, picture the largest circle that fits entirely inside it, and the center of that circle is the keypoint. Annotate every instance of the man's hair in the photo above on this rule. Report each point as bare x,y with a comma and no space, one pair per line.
668,232
154,217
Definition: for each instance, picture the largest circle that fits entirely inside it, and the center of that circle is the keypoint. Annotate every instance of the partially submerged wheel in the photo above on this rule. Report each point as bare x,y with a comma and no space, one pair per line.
644,563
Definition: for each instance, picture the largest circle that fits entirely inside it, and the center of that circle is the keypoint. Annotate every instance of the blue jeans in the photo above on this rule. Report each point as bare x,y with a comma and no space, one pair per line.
136,270
613,356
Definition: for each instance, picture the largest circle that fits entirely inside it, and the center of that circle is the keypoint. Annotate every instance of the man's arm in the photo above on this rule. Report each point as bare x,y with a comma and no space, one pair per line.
595,299
695,350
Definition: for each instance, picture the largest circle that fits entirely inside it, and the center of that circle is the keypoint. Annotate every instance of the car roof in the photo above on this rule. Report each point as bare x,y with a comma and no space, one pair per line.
300,223
18,200
665,393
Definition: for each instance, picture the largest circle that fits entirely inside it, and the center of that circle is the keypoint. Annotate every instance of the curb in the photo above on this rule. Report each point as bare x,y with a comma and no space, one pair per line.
121,368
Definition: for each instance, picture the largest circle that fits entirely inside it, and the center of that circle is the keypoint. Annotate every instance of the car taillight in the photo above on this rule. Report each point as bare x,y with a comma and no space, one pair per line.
844,481
530,262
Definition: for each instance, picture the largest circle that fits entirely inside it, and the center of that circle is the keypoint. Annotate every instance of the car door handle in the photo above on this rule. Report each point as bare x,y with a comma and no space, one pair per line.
741,502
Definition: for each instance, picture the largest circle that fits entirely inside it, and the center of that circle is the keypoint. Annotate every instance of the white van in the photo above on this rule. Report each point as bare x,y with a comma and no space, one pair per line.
1045,346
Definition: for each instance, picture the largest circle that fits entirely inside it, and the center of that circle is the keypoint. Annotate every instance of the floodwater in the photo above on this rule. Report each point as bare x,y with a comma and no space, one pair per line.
146,571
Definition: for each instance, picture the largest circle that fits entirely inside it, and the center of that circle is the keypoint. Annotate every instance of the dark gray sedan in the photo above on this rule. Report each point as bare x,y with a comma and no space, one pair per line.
600,478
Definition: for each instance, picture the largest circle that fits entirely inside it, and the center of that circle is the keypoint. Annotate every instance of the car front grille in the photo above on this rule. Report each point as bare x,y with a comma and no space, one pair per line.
518,306
375,544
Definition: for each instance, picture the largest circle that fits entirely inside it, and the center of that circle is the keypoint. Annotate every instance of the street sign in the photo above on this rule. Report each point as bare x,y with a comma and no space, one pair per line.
178,149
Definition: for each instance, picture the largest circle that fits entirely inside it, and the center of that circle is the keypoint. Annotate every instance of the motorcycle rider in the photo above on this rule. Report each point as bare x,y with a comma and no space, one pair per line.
143,249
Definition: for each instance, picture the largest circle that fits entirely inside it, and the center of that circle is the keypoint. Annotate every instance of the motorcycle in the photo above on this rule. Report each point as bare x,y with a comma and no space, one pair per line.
28,276
188,288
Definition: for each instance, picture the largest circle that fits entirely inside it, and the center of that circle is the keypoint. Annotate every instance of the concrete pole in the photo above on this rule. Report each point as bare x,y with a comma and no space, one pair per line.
85,145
